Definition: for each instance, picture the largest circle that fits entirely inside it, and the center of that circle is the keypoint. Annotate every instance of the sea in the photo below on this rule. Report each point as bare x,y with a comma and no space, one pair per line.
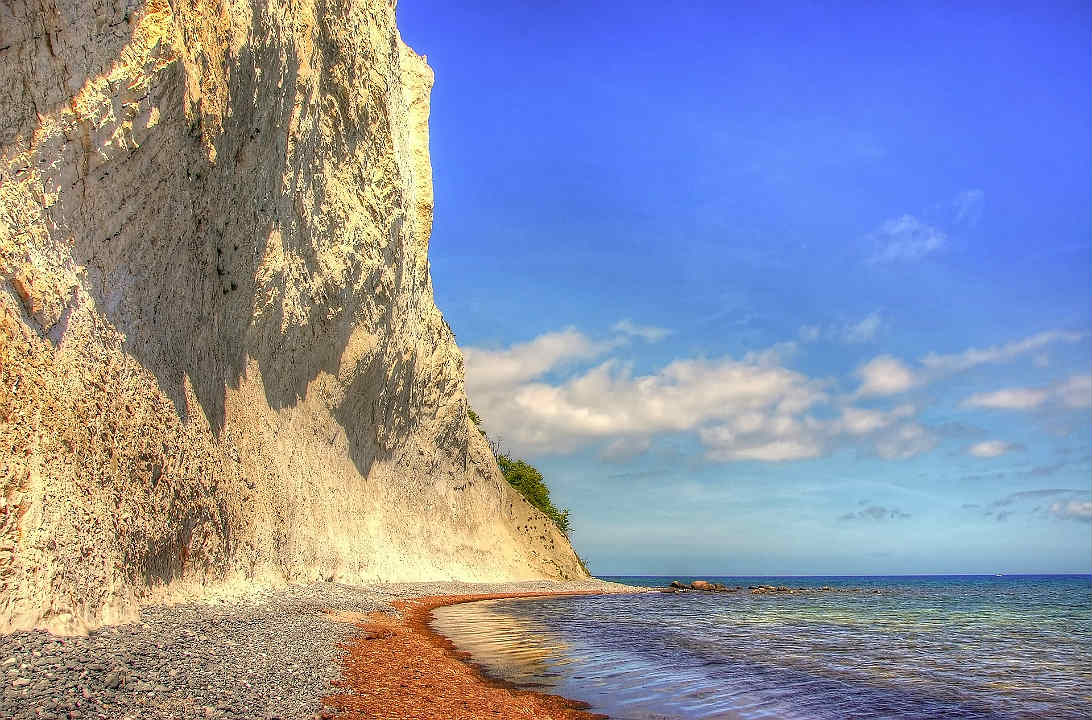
994,647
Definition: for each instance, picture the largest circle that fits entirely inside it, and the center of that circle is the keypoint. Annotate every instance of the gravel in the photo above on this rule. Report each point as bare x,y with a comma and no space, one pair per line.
272,655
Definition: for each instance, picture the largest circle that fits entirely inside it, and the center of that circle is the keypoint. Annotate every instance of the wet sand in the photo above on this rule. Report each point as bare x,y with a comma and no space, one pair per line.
398,667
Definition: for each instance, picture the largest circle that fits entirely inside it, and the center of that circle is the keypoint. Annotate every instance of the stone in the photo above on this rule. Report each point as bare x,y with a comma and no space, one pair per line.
701,585
116,678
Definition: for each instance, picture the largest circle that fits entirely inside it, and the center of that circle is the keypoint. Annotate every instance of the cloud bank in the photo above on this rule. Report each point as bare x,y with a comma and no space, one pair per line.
564,390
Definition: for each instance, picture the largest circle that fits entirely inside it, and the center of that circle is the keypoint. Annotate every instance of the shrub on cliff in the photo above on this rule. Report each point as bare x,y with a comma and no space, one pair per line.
526,479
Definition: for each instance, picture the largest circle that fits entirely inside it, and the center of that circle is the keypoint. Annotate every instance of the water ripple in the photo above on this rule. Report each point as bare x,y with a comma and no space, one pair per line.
922,648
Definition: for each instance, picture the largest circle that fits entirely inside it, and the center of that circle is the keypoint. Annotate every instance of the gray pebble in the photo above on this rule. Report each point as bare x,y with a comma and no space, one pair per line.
272,656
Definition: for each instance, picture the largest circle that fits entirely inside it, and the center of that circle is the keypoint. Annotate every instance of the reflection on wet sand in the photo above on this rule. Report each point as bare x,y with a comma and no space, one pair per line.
507,647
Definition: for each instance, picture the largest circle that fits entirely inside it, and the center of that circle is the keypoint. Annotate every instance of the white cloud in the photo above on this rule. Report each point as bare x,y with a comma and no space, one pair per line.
1074,392
905,442
645,332
608,401
974,357
753,408
905,239
770,438
885,375
774,355
741,408
748,409
503,368
908,238
864,330
861,331
1072,510
1009,399
857,421
991,448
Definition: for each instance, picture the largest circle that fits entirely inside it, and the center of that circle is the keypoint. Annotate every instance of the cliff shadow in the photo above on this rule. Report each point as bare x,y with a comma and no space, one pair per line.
206,259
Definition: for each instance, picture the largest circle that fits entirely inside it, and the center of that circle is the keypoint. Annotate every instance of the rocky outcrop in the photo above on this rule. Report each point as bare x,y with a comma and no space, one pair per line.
705,586
220,360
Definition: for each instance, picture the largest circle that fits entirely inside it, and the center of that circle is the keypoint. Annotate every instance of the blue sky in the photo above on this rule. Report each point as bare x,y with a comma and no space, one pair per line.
776,290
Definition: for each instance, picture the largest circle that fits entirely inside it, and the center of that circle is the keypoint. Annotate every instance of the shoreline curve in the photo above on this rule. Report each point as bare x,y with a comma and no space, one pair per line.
398,667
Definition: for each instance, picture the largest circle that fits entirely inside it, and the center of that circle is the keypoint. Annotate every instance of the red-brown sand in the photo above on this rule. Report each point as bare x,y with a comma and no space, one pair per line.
397,668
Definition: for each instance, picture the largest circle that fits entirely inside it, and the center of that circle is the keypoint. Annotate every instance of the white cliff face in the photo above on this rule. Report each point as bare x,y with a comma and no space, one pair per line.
220,359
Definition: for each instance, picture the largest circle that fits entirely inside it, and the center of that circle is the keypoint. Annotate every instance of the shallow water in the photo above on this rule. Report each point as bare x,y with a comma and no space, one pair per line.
923,647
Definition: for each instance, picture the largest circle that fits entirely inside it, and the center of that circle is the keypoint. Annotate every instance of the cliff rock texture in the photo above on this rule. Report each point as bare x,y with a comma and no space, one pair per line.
220,359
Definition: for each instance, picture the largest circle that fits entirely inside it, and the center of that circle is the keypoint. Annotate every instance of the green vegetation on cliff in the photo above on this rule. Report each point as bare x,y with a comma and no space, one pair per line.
526,479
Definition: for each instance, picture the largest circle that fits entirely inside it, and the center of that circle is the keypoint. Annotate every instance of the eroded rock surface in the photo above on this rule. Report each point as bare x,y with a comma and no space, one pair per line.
220,359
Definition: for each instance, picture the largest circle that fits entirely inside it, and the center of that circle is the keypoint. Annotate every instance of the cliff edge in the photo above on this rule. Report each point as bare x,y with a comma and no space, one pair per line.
220,359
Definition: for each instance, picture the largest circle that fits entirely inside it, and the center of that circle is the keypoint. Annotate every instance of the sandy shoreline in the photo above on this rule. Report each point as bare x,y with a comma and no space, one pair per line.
399,667
277,653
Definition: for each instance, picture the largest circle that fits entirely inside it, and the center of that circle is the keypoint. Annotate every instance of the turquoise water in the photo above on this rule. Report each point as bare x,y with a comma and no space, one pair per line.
921,647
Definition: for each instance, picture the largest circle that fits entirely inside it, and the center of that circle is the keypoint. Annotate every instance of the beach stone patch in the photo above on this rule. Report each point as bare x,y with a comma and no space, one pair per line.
272,656
707,587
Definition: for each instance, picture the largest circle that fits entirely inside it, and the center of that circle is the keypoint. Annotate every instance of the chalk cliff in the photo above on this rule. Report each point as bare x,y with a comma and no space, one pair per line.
220,359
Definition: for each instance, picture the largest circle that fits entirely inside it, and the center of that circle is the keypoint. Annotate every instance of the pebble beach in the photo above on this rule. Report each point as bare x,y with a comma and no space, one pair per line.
273,655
